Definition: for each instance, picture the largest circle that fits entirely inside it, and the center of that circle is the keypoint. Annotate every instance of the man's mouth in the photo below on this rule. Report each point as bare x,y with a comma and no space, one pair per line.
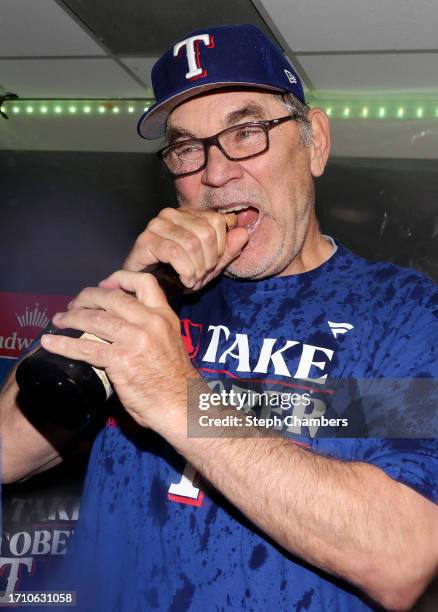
247,216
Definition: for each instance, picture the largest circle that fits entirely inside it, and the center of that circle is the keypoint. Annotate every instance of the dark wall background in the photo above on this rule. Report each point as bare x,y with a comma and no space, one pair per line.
383,209
68,219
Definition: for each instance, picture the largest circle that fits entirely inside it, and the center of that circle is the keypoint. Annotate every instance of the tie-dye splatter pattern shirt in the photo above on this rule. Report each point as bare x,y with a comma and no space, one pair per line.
152,536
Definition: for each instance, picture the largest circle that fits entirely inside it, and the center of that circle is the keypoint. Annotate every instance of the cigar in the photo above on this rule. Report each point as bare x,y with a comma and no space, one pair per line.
230,220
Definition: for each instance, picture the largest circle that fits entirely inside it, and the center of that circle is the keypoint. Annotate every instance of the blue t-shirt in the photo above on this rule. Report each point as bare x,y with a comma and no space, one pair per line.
153,536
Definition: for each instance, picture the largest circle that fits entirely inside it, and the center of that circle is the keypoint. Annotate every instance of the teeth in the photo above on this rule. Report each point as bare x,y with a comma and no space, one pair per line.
232,209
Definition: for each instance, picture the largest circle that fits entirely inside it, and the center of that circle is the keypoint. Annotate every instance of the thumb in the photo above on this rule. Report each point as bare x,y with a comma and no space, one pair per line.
236,240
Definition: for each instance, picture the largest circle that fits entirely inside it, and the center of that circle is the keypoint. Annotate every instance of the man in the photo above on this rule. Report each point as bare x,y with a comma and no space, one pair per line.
190,523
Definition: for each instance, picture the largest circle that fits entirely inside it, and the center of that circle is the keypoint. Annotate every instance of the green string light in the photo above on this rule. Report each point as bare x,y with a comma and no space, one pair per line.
338,107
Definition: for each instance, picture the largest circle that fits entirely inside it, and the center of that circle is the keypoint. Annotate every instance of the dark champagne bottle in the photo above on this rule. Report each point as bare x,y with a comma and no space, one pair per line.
68,393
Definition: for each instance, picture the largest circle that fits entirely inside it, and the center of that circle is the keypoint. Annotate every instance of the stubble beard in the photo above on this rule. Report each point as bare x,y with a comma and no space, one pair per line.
290,245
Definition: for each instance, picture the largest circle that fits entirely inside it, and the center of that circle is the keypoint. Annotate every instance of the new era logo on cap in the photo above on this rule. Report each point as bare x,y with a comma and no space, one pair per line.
212,58
290,77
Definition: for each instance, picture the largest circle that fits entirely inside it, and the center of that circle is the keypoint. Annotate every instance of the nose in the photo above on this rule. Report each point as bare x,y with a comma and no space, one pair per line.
219,169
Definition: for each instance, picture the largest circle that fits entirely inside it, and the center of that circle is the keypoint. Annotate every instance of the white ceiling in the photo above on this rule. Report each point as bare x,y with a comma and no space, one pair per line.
69,78
348,46
40,27
356,25
373,72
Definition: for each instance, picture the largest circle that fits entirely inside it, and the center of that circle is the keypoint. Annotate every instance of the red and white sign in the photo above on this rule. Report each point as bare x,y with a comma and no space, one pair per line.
23,316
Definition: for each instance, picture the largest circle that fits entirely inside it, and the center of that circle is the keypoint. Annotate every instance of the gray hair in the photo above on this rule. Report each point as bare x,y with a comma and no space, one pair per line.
293,105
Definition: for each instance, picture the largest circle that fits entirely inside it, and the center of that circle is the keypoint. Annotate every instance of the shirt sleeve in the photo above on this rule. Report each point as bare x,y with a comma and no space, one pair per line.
407,374
408,346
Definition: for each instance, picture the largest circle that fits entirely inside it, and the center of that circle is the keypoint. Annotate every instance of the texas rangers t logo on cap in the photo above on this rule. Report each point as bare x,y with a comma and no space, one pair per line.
192,53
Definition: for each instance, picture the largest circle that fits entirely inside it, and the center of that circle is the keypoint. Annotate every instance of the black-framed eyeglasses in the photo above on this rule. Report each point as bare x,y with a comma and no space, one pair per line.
242,141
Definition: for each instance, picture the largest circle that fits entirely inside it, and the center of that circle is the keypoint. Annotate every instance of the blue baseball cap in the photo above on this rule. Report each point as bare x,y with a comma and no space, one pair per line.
211,58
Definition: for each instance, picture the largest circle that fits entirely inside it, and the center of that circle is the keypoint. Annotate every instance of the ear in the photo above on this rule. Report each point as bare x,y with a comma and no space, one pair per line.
320,147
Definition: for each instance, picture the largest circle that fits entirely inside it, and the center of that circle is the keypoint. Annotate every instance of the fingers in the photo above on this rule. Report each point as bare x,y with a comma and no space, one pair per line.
112,314
121,321
237,239
202,235
93,352
123,340
144,286
115,316
98,322
192,243
114,301
186,260
130,295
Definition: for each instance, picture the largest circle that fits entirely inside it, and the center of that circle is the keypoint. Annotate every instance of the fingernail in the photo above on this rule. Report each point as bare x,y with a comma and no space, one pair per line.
190,282
57,316
46,339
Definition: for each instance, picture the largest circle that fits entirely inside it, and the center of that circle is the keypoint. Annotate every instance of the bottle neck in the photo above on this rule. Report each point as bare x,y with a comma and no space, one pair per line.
169,282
